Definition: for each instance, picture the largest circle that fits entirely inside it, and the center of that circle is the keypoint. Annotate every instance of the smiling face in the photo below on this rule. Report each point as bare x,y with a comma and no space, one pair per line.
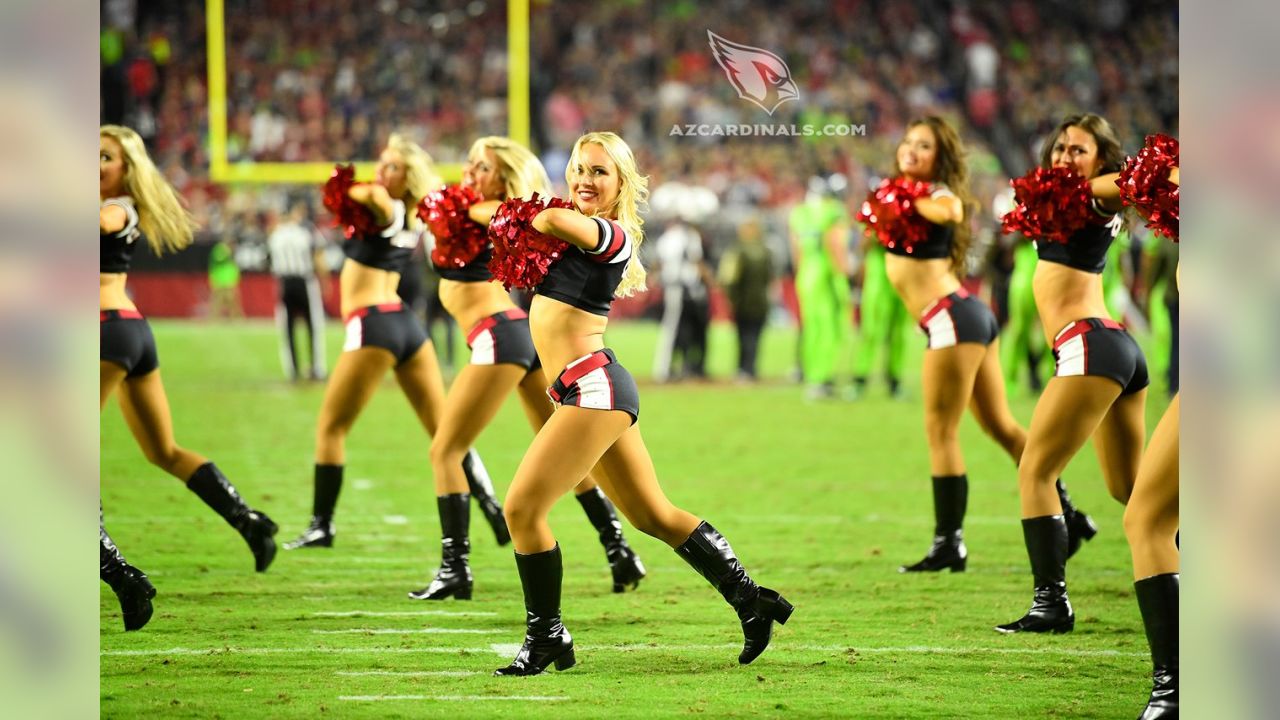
918,152
482,173
392,173
1076,148
110,168
594,180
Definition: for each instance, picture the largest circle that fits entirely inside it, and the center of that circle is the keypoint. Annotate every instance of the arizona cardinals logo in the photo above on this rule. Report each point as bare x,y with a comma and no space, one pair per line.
758,75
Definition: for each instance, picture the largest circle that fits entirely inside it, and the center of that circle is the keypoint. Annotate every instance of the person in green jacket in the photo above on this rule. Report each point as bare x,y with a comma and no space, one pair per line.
1023,340
224,282
819,232
885,322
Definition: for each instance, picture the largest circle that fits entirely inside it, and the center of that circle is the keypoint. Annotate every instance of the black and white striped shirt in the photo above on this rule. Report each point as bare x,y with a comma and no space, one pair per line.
292,248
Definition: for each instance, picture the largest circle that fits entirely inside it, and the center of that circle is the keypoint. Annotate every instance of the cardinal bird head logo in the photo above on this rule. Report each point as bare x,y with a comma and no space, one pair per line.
758,75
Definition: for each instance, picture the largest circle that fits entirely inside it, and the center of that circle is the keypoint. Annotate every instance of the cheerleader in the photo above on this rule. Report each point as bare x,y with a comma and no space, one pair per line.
1099,386
598,405
382,334
962,360
1151,516
502,359
136,201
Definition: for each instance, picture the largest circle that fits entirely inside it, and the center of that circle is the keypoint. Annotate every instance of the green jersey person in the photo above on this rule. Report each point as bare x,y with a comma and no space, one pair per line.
885,322
819,231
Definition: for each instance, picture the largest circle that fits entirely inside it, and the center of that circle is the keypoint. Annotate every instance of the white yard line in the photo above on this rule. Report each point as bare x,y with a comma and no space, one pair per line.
409,673
404,613
455,698
408,631
508,649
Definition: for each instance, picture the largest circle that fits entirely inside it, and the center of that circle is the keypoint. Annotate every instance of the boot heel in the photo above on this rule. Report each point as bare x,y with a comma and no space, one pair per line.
1065,627
775,607
462,594
566,661
959,565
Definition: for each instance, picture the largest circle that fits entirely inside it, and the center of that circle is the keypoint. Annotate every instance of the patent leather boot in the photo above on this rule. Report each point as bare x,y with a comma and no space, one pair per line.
1080,527
624,564
131,586
1046,540
453,579
254,526
546,641
482,490
1158,601
948,552
758,608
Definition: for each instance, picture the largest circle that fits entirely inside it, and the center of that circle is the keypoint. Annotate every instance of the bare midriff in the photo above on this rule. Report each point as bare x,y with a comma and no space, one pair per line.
563,333
1064,295
920,282
363,286
471,302
111,294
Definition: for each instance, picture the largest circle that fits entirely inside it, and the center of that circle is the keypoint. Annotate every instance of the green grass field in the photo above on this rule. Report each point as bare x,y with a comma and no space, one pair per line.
821,501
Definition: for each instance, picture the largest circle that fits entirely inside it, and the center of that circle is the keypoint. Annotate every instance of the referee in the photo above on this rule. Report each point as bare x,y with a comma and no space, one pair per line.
297,261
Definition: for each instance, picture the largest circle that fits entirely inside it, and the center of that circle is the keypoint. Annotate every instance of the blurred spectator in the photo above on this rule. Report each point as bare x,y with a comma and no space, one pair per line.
224,282
686,308
746,274
297,261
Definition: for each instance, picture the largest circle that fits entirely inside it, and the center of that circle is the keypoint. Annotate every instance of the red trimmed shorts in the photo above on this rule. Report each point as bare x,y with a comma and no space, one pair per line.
503,338
1095,346
389,326
125,339
597,382
959,318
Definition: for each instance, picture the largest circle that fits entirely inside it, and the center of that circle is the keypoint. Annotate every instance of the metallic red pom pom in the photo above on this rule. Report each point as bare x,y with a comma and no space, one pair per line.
351,216
889,212
521,255
458,239
1144,183
1053,203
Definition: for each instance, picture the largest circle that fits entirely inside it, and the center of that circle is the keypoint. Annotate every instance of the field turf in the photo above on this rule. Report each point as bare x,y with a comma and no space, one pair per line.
822,501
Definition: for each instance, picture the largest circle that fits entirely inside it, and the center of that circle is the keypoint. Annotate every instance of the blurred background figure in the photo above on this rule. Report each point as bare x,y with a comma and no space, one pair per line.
885,324
1023,340
224,281
296,252
819,251
686,281
1160,298
746,274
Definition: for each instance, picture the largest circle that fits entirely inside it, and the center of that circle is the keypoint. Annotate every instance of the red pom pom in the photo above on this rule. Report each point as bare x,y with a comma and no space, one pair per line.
354,218
521,255
1144,183
889,212
1053,203
458,239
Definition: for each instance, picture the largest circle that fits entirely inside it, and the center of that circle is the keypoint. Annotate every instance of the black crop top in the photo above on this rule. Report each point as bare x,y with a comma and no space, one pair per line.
389,249
938,244
1086,249
117,248
587,279
475,271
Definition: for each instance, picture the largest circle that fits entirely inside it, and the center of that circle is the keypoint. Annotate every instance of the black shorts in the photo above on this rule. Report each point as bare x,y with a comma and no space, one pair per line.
1100,347
126,340
389,326
503,338
959,318
597,382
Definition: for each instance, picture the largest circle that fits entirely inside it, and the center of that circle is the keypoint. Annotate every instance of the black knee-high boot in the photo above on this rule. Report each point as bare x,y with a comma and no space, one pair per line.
254,526
950,500
328,483
1158,601
1046,539
1080,527
623,561
130,584
482,490
546,640
758,608
454,576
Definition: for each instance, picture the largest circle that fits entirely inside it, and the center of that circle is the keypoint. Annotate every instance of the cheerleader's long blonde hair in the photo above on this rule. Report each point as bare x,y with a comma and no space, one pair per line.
521,172
633,194
420,172
162,217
